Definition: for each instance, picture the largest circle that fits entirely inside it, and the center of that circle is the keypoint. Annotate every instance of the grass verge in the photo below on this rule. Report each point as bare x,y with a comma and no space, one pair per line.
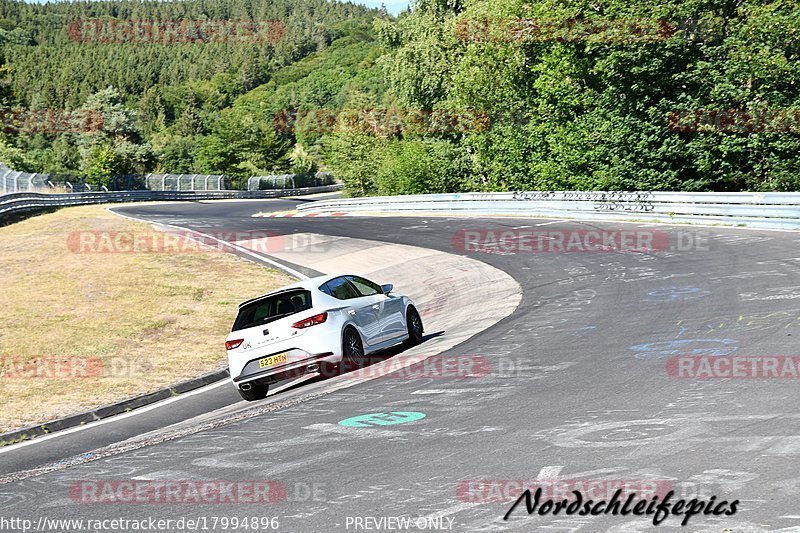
81,330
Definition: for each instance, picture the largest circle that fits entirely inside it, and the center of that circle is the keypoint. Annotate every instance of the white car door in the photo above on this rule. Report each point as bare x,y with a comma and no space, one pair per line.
388,308
394,320
362,309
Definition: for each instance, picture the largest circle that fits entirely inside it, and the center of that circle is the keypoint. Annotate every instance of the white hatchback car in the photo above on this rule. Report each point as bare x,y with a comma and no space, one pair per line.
314,324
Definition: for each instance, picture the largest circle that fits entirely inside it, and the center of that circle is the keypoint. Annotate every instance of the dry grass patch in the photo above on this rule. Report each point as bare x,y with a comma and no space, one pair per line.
122,323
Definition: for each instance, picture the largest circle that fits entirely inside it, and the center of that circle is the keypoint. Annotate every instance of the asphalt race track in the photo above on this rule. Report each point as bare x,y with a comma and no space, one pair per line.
578,389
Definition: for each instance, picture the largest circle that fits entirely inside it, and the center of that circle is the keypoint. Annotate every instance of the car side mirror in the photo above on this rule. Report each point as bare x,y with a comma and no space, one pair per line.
387,288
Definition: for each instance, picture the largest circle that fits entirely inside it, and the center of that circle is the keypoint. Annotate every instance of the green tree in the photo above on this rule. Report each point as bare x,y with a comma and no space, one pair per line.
424,167
177,156
118,133
355,159
14,158
102,162
213,155
302,161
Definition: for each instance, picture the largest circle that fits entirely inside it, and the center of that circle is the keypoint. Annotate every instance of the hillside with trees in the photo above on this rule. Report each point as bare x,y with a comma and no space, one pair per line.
167,106
450,96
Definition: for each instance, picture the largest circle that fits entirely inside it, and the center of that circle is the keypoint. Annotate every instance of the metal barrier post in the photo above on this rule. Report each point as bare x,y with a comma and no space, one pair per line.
5,185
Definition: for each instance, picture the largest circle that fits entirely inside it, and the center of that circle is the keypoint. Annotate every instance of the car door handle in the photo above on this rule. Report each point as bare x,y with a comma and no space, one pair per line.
376,306
351,312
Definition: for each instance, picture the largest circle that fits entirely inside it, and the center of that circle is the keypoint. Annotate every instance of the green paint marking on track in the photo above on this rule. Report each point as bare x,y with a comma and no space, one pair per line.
381,419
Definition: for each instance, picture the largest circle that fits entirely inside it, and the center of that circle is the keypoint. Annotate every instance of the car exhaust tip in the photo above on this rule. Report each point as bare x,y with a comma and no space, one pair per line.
312,368
246,386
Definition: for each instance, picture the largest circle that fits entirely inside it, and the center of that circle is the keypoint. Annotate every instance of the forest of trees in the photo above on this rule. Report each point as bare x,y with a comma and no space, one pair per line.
452,95
169,107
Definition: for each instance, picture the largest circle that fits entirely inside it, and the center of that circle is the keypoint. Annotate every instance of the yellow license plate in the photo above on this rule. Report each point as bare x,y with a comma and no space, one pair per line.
273,360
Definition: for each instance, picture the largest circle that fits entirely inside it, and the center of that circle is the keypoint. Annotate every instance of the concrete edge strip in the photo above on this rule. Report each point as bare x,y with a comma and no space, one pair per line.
105,411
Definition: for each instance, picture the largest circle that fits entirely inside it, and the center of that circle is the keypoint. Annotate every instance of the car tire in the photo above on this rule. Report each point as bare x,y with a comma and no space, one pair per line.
352,350
414,326
329,370
257,392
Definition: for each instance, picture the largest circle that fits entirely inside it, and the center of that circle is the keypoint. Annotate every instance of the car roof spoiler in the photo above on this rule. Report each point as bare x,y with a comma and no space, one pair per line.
248,302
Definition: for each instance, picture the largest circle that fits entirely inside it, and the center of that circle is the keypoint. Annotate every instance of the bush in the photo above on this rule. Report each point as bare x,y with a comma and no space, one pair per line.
422,167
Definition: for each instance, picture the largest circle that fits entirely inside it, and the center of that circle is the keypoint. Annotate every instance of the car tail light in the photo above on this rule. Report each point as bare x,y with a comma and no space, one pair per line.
232,345
311,321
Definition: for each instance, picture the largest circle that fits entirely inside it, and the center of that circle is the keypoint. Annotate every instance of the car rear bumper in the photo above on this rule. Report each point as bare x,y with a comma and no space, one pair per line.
293,368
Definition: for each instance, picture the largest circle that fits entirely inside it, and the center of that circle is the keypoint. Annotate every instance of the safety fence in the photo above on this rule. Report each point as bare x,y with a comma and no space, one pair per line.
183,182
290,181
12,181
26,202
776,210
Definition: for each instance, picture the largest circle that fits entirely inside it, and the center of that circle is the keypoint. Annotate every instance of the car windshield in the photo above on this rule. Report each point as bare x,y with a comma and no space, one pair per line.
272,308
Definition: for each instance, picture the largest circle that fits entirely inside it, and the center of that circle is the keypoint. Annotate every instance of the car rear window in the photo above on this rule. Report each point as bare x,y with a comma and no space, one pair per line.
272,308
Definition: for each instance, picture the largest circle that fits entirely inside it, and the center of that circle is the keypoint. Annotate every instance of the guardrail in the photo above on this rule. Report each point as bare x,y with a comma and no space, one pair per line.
764,210
12,204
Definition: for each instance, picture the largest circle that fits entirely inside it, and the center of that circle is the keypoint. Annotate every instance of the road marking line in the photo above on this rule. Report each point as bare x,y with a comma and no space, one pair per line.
549,472
441,391
335,428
